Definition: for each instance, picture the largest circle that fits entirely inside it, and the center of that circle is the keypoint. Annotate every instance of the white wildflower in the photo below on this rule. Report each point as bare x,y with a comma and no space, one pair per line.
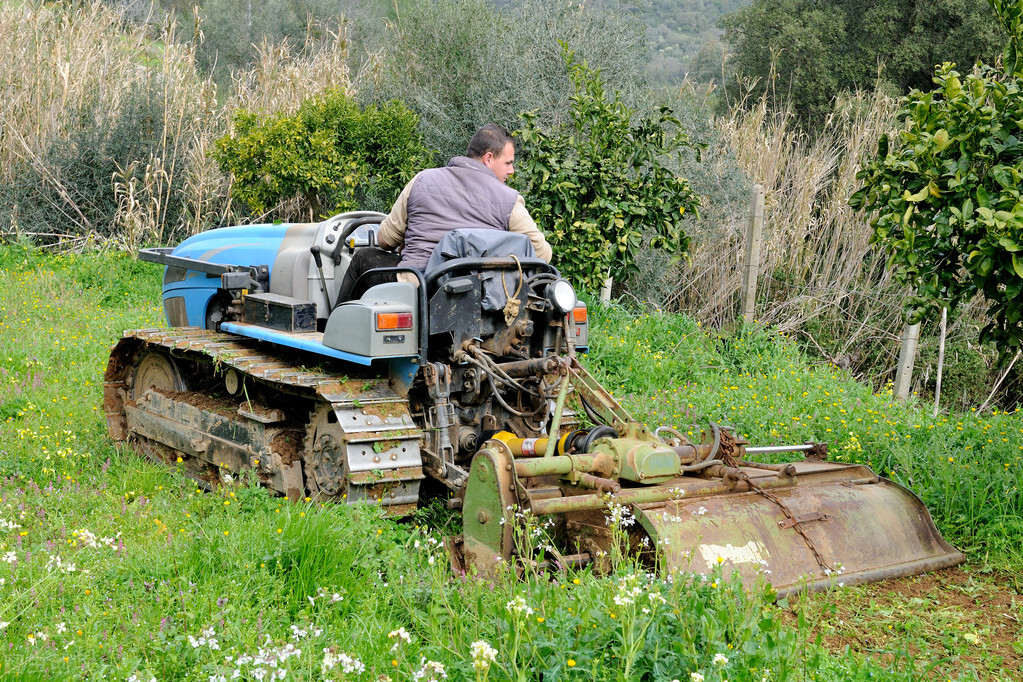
206,638
351,665
329,661
518,605
430,670
621,516
56,563
89,539
400,635
720,659
629,589
483,655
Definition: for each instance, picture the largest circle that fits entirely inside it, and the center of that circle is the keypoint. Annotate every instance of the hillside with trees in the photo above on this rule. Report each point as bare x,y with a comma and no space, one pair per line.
676,30
803,54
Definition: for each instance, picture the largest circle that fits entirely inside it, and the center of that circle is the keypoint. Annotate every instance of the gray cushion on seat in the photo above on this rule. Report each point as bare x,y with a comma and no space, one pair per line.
467,243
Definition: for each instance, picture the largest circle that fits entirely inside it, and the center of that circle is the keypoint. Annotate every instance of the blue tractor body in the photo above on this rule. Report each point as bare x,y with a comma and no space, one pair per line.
187,294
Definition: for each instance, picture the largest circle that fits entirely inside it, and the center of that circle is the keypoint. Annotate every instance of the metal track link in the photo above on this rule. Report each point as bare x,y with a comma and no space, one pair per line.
360,442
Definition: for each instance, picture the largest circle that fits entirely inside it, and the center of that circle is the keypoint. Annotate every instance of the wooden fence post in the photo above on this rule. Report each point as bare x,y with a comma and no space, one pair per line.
605,290
907,356
941,361
754,239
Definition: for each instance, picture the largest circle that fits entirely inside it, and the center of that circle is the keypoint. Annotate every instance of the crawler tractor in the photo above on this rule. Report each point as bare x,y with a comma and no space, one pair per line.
465,380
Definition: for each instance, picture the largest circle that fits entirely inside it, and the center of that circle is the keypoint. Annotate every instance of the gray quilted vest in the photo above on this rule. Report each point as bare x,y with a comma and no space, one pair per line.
464,194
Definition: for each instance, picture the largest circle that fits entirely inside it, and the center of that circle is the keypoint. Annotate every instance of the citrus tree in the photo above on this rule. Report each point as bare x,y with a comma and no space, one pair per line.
944,192
603,183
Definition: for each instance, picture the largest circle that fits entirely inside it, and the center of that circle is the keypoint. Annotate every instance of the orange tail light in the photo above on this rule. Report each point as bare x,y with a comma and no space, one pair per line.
393,321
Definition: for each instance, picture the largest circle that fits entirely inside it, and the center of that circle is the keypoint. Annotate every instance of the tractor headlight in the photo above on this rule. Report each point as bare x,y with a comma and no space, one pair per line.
562,296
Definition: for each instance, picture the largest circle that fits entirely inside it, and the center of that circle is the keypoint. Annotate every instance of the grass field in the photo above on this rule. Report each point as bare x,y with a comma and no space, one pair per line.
115,568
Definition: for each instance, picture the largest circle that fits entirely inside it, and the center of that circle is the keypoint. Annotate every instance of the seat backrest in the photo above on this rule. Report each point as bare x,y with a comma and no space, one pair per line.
467,243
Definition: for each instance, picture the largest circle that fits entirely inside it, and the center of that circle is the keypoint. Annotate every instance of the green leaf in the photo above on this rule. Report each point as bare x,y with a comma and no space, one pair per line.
919,196
1017,266
857,198
982,196
953,87
1009,245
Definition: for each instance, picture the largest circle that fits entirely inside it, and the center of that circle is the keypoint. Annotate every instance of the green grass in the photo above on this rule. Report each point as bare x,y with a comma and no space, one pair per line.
967,468
114,567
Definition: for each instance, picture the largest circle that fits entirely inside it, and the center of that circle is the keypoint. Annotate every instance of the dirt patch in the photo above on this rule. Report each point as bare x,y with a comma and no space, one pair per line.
288,444
969,618
384,411
207,403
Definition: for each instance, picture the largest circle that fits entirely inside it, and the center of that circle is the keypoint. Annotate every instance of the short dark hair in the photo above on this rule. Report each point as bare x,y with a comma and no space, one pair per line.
490,138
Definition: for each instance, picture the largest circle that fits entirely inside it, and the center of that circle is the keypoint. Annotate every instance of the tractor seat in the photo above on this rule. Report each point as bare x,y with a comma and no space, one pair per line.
479,245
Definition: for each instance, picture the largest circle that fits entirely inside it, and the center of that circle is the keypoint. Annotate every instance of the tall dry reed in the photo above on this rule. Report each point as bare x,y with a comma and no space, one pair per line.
281,77
819,276
71,66
70,72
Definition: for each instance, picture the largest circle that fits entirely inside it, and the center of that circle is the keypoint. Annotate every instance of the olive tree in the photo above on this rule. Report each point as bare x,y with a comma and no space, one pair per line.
460,64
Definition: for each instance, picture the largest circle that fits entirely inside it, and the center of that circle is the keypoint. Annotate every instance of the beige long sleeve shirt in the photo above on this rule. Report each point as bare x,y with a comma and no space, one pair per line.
392,229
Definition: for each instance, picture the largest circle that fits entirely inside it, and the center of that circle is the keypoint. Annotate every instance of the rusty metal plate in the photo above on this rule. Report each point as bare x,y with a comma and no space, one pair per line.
861,532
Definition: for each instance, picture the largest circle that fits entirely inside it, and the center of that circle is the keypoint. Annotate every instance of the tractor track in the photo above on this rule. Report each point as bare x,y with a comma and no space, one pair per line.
304,431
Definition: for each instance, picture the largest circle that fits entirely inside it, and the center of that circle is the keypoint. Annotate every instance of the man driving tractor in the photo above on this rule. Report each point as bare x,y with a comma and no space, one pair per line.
470,192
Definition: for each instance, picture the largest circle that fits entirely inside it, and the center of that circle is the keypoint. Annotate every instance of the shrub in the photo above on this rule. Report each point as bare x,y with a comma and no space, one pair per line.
331,153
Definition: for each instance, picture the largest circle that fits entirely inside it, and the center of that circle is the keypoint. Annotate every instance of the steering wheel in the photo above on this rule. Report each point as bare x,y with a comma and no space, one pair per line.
356,223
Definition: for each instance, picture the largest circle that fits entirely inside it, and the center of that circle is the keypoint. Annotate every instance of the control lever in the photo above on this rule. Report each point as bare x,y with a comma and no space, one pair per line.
315,250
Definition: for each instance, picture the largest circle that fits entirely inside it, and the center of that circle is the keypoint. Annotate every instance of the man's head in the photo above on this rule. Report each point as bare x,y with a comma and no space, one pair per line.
493,146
